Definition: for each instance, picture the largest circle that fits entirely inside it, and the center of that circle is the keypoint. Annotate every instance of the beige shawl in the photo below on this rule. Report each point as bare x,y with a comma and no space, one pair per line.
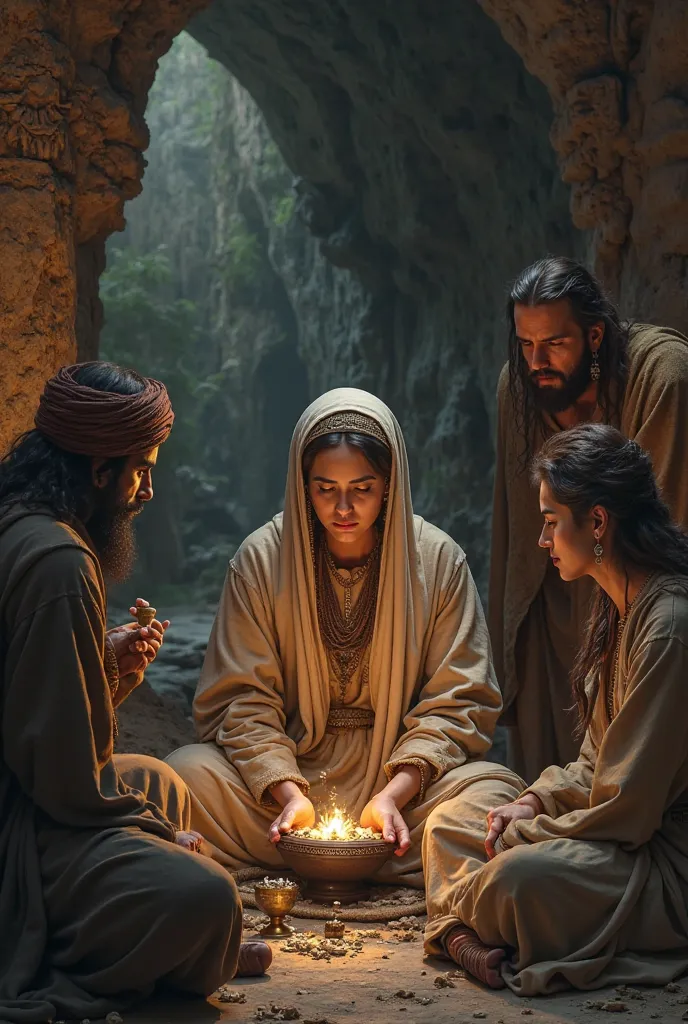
275,676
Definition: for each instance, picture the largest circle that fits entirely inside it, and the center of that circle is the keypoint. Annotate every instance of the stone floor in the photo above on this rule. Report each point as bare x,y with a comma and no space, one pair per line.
368,988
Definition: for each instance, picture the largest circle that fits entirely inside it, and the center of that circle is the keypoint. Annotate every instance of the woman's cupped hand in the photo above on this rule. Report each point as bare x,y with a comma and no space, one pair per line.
297,810
382,814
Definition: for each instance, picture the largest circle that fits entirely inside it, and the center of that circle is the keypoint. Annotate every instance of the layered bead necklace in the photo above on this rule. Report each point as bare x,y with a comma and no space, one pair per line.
348,634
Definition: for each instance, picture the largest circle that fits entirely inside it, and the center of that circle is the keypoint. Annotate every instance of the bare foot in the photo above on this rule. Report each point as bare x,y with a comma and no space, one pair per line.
254,959
483,962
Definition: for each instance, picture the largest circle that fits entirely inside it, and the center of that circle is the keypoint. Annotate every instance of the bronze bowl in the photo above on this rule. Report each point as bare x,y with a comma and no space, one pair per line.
334,869
276,902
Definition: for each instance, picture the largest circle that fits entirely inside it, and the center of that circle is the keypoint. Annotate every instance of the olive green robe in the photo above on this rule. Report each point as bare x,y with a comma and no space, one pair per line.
97,903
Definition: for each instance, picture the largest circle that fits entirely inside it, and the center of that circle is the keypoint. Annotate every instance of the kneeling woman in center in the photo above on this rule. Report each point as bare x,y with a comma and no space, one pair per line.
349,640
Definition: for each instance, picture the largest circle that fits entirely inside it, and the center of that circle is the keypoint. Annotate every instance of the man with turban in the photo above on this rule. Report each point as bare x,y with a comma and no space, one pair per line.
102,892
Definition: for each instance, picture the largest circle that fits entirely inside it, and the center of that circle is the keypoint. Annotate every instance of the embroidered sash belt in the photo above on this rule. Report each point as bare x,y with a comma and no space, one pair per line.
341,719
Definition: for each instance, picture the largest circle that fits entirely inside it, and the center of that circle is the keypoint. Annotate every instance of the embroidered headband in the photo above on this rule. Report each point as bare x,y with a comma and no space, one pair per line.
348,422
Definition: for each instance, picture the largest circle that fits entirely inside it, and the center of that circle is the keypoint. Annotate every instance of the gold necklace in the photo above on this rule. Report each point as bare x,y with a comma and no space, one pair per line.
358,573
346,636
619,636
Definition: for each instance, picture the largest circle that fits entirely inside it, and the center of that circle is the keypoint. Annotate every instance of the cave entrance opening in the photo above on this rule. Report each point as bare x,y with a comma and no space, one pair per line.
194,296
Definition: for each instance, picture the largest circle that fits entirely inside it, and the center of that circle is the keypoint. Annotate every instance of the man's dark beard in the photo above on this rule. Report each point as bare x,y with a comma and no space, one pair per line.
557,399
111,528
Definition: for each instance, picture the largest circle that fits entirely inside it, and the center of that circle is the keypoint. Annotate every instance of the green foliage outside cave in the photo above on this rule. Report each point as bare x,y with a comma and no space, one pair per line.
177,284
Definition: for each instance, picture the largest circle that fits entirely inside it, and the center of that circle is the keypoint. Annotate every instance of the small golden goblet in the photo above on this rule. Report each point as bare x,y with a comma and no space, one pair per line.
144,616
276,902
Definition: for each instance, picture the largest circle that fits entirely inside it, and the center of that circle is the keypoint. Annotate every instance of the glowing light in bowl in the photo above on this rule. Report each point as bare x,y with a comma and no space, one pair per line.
336,826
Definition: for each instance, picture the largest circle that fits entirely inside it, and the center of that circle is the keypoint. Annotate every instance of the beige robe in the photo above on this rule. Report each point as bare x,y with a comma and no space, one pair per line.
593,892
263,699
97,903
536,621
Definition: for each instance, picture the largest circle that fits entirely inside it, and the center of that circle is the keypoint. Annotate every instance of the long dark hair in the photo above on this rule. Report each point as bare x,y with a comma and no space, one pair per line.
594,464
378,454
550,280
40,476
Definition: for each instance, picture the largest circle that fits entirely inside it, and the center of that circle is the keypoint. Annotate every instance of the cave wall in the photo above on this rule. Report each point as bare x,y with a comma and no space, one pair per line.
74,77
420,145
617,73
426,180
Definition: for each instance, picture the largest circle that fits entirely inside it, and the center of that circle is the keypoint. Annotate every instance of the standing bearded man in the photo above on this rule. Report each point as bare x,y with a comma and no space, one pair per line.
571,360
101,896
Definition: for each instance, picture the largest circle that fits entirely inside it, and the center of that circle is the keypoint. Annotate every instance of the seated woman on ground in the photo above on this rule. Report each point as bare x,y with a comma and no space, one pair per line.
582,879
349,640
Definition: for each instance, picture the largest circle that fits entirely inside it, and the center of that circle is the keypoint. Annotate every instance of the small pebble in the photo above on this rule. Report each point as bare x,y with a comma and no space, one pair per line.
404,993
609,1006
480,1014
286,1012
423,973
672,987
526,1013
225,994
113,1018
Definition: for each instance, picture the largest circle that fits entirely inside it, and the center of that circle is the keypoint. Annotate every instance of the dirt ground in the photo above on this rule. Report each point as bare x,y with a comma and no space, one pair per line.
388,980
391,981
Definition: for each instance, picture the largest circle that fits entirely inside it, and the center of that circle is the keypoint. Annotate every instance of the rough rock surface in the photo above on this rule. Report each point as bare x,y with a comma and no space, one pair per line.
421,147
426,180
74,77
617,73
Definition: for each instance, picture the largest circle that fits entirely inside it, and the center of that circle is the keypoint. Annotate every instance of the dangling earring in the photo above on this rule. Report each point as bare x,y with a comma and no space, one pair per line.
598,551
310,513
383,511
595,371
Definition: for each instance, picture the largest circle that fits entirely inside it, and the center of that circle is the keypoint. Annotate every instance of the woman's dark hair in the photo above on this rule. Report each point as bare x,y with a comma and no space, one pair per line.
378,454
593,464
551,280
39,475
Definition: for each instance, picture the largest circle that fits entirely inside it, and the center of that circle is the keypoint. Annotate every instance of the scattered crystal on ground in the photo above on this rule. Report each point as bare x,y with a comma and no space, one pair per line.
317,947
225,994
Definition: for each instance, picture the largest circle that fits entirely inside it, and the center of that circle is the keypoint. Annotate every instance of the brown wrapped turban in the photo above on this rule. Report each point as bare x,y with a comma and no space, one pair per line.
86,421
